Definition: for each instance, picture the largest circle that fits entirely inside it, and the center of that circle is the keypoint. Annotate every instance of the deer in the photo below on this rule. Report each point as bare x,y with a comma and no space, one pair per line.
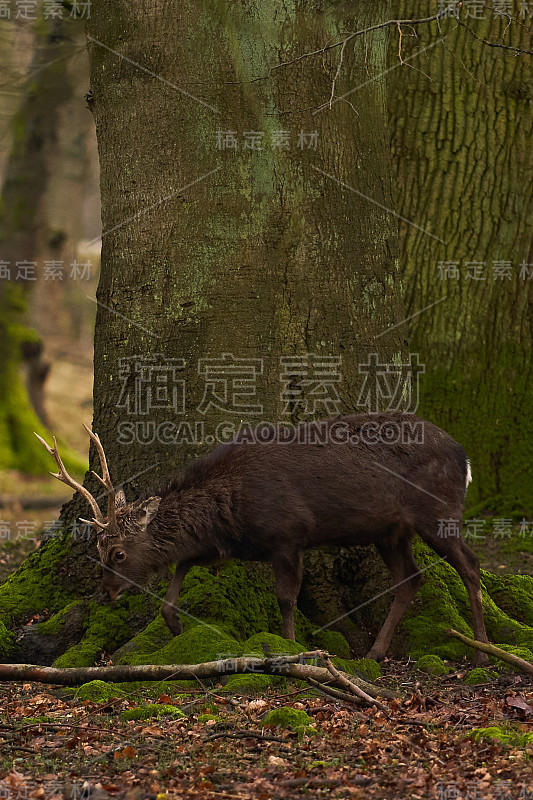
271,500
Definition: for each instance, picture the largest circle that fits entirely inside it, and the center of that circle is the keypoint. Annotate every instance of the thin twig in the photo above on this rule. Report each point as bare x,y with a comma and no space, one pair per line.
351,36
517,50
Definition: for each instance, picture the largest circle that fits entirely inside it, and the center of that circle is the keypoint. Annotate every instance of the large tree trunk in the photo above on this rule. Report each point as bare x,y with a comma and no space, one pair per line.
461,121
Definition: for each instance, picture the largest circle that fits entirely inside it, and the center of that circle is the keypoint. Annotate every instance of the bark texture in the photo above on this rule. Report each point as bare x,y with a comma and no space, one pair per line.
461,121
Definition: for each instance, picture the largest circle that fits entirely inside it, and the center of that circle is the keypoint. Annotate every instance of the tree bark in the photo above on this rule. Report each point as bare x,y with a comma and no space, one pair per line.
461,117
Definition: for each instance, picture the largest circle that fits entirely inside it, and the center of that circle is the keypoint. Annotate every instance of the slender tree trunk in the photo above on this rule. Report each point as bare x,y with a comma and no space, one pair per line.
23,231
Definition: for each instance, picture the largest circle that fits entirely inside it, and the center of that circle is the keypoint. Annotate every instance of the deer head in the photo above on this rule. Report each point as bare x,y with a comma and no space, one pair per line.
121,534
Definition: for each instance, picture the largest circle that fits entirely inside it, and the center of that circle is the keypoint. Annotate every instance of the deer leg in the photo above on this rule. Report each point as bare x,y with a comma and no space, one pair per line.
169,611
465,561
404,570
288,575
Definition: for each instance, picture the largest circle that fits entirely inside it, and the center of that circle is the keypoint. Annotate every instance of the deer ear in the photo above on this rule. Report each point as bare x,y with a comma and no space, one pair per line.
120,499
149,509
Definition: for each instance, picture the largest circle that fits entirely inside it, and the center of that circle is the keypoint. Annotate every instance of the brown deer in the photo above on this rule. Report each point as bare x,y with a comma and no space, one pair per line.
270,500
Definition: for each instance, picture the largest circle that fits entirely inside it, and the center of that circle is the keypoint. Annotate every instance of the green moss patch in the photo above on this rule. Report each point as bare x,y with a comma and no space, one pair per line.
253,684
265,645
442,603
198,644
479,675
291,718
154,637
151,710
366,667
55,624
513,594
522,652
333,642
106,627
36,585
98,691
433,665
246,606
507,735
7,640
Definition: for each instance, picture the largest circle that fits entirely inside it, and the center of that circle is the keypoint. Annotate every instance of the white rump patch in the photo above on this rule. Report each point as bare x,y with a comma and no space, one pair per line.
468,473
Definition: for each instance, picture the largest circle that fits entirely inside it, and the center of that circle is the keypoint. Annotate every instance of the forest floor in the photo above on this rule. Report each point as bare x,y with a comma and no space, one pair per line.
54,744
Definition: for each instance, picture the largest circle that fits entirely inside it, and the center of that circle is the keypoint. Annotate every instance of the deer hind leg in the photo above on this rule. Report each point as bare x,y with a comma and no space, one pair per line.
406,577
465,561
288,570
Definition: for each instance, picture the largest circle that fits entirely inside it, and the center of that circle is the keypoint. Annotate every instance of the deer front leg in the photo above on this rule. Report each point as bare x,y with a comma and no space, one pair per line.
169,611
288,575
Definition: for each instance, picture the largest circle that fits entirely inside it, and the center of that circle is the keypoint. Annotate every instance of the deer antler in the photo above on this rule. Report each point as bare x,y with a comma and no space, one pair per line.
63,476
105,480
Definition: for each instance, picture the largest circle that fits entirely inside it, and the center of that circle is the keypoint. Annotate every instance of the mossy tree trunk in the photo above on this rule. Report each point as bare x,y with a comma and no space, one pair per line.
255,252
461,116
23,232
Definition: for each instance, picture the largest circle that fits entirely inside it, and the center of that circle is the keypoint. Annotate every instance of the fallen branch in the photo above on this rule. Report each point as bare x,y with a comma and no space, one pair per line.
351,686
288,666
338,694
492,650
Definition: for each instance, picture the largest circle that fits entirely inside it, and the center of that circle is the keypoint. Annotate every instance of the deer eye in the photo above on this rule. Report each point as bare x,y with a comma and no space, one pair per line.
120,555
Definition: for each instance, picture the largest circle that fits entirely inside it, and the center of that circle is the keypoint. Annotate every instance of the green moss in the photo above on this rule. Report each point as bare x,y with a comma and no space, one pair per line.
36,585
522,652
245,606
54,625
348,665
151,710
83,654
154,637
367,667
253,684
198,644
507,735
442,603
513,594
19,448
291,718
333,642
153,688
269,644
479,675
433,665
439,605
7,639
106,627
98,691
207,717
